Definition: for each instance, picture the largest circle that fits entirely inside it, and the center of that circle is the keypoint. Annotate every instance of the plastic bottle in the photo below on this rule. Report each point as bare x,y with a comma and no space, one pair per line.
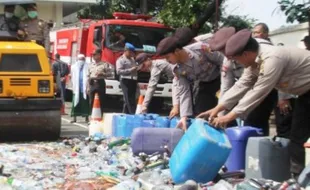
118,143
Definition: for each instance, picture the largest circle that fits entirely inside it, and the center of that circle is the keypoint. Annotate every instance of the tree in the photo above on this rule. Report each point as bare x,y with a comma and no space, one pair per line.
239,22
299,12
187,11
105,8
295,12
174,13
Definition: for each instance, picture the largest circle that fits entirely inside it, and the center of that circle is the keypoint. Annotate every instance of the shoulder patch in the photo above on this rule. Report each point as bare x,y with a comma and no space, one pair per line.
190,55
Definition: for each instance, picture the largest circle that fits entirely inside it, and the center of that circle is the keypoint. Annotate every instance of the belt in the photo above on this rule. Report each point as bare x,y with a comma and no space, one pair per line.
95,81
129,77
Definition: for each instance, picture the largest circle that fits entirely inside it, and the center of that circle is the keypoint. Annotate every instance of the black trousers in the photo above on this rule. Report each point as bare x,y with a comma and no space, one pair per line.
284,122
259,117
206,95
300,132
129,88
97,86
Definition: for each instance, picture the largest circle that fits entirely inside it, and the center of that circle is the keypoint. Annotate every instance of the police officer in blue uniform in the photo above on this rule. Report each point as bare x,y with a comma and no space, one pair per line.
127,70
192,63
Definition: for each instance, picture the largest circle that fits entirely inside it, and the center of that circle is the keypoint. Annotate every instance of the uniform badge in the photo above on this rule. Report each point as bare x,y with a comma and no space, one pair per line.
284,85
183,73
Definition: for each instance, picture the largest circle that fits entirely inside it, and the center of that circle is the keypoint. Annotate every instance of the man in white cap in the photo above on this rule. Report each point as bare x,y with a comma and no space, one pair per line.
80,99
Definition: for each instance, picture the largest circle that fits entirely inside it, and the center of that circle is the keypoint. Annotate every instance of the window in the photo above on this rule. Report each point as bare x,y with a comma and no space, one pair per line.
143,38
19,63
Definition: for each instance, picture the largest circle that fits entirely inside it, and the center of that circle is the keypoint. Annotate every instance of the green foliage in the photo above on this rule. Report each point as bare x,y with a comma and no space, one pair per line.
239,22
174,13
187,11
294,11
178,13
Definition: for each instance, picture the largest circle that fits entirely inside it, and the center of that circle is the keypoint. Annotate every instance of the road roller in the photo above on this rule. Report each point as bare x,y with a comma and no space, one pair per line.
29,109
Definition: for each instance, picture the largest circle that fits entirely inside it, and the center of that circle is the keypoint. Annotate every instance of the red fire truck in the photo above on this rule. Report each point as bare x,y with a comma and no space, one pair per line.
110,35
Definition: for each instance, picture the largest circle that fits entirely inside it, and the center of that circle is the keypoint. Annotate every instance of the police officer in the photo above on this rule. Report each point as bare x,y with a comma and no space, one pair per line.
9,22
231,71
97,73
190,64
127,70
267,67
34,28
259,117
157,68
61,68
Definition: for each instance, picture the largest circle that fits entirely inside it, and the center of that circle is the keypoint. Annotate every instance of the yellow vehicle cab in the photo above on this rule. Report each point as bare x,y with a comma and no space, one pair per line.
28,107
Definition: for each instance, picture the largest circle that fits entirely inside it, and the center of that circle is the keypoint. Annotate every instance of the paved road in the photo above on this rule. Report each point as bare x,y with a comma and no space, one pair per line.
72,129
81,128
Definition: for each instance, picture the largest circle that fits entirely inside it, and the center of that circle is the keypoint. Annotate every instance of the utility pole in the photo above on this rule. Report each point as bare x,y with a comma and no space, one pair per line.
143,6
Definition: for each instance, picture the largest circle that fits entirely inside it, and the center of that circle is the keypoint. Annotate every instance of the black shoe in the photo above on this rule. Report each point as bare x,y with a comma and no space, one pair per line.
74,120
86,120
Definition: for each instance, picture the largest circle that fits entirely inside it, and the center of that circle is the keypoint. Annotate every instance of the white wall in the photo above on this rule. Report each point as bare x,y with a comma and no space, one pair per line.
290,36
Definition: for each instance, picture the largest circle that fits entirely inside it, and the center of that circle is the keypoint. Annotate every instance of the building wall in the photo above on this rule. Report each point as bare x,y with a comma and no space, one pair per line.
290,36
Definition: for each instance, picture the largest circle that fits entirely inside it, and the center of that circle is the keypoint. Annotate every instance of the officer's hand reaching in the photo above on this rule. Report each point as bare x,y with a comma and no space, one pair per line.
174,112
144,110
222,121
211,114
284,106
182,124
21,34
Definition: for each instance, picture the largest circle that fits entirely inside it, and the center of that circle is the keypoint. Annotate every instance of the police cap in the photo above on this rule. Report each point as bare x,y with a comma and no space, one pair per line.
142,57
237,42
167,45
219,39
185,35
130,47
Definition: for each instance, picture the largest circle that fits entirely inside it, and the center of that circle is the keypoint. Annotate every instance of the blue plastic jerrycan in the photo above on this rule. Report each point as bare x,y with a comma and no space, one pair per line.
200,153
174,122
123,125
162,122
148,120
238,137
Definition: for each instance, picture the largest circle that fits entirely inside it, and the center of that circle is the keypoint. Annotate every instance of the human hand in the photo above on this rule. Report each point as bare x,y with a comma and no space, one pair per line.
211,114
222,121
182,124
284,106
144,110
174,111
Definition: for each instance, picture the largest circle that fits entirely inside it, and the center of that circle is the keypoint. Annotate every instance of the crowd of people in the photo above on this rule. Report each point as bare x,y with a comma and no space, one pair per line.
249,94
254,77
